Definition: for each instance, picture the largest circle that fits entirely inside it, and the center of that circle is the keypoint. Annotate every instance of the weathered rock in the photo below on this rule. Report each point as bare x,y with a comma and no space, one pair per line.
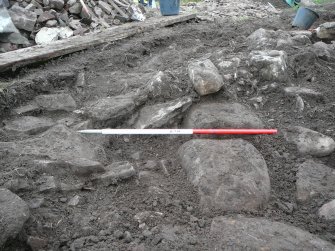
17,185
14,212
47,184
205,77
75,8
301,40
242,233
110,109
162,85
58,143
65,32
74,201
56,102
326,31
227,66
262,39
56,4
302,91
28,125
270,64
116,172
46,16
315,179
323,51
221,115
36,243
294,33
47,35
84,167
159,115
75,24
230,174
51,23
328,210
36,203
22,18
309,142
105,7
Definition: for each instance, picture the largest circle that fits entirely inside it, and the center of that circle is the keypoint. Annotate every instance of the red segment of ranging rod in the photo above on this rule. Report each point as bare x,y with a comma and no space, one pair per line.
234,131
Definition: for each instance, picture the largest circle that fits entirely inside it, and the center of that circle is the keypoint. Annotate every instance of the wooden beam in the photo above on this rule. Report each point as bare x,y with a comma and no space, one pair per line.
26,56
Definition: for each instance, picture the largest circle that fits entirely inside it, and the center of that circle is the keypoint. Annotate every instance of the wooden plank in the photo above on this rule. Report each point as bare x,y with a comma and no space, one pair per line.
37,53
118,9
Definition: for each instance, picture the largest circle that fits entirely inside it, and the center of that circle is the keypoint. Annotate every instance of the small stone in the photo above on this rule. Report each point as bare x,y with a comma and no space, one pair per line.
115,172
105,7
22,18
98,11
65,32
136,156
205,77
146,233
328,210
36,203
127,237
56,4
71,2
310,142
323,51
63,200
75,9
56,102
30,7
47,35
47,184
51,23
17,185
46,2
27,109
75,24
36,243
74,201
159,115
118,234
326,31
46,16
302,91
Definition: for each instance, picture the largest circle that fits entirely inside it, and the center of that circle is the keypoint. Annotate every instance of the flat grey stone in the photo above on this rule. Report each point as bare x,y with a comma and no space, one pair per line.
26,109
242,233
270,64
116,172
205,77
58,143
326,31
47,184
327,211
309,142
75,8
109,110
14,212
159,115
323,51
56,4
74,201
22,18
315,179
221,115
56,102
28,125
230,174
105,7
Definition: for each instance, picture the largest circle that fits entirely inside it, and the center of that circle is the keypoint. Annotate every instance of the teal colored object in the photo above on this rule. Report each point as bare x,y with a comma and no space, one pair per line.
305,18
291,3
169,7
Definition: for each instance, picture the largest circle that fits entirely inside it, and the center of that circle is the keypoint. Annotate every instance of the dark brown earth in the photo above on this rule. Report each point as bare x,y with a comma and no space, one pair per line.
119,67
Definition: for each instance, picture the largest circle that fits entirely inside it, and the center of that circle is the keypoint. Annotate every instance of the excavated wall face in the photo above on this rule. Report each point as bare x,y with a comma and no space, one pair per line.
94,192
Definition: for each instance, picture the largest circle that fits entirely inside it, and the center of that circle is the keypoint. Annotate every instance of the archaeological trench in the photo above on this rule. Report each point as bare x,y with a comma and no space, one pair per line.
237,65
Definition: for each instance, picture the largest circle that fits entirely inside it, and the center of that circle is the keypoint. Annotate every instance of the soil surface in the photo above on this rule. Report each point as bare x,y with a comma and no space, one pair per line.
103,219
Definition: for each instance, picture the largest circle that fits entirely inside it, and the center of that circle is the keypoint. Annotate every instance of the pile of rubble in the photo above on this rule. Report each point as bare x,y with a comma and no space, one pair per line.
43,21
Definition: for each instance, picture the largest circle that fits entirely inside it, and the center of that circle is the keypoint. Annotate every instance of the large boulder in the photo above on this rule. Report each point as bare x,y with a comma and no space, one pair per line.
230,174
309,142
221,115
270,64
58,143
158,115
314,179
243,233
205,77
14,212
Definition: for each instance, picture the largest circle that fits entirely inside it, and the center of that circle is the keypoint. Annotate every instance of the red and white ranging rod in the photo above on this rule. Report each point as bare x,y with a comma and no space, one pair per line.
179,131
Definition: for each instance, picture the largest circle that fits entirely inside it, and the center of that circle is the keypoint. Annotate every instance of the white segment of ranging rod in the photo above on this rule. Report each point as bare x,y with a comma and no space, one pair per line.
138,131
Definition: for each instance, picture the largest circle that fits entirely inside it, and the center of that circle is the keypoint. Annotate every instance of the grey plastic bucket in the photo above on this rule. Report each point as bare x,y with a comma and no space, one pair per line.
305,18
